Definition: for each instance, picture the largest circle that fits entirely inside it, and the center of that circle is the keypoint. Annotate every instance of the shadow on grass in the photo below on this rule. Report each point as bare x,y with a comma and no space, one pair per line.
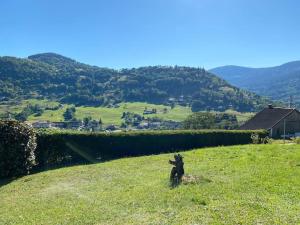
61,165
6,181
68,163
174,184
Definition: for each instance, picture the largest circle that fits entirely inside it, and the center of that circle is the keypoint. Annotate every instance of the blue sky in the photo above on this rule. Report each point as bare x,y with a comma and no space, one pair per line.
132,33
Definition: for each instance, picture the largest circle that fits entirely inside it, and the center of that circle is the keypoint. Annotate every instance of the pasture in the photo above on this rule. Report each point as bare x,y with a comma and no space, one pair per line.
109,115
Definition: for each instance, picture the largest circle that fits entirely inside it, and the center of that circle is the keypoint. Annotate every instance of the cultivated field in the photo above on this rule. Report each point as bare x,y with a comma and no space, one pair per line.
250,184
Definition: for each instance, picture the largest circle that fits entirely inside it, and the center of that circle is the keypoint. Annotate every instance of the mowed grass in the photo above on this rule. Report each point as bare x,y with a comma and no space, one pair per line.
250,184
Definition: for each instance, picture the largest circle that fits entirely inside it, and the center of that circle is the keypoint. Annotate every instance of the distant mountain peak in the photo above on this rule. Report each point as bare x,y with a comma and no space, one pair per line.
47,54
51,58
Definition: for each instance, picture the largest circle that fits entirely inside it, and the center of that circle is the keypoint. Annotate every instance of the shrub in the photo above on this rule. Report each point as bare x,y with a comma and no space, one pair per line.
56,147
296,140
258,139
17,146
255,138
267,140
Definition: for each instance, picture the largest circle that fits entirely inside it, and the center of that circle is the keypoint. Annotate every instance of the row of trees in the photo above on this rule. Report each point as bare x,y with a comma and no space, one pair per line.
207,120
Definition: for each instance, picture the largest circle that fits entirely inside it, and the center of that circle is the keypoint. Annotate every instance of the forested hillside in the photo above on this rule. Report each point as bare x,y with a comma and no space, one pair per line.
56,77
278,83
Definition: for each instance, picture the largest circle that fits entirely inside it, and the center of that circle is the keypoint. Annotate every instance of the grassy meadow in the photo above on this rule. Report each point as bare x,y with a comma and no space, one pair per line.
110,115
249,184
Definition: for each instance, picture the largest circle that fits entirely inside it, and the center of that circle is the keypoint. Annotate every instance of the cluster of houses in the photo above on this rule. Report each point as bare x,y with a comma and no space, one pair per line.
280,122
159,125
96,126
74,125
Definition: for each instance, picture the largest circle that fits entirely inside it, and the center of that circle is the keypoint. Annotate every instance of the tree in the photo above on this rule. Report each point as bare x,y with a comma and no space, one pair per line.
100,123
123,125
69,114
173,105
207,120
197,106
86,120
200,120
25,113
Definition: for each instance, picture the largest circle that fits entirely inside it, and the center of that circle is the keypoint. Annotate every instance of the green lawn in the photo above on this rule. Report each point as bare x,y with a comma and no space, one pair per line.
250,184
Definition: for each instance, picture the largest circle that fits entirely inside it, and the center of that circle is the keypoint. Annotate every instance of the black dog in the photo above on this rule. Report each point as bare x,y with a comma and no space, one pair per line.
177,171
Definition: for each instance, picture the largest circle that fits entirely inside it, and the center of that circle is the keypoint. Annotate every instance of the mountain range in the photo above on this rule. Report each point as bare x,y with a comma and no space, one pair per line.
278,83
55,77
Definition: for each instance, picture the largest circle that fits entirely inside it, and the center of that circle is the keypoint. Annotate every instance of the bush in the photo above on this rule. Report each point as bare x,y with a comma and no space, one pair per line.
296,140
17,146
56,147
258,139
255,138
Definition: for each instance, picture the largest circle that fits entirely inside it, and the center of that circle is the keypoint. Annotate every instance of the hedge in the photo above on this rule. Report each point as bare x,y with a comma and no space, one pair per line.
17,146
58,147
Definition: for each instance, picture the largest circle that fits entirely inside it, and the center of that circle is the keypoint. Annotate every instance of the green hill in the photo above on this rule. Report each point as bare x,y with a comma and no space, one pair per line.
278,83
55,77
250,184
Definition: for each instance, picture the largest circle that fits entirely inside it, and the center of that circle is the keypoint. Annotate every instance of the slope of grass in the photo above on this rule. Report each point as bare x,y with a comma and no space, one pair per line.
113,115
110,115
50,115
251,184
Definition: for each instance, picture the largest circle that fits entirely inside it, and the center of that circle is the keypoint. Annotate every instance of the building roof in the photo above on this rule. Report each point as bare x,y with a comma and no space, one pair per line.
267,118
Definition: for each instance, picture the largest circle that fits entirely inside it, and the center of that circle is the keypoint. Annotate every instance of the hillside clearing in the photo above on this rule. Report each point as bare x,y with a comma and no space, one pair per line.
250,184
110,115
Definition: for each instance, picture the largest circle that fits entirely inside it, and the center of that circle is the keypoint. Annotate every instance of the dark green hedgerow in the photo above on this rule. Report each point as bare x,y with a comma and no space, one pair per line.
55,147
17,146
